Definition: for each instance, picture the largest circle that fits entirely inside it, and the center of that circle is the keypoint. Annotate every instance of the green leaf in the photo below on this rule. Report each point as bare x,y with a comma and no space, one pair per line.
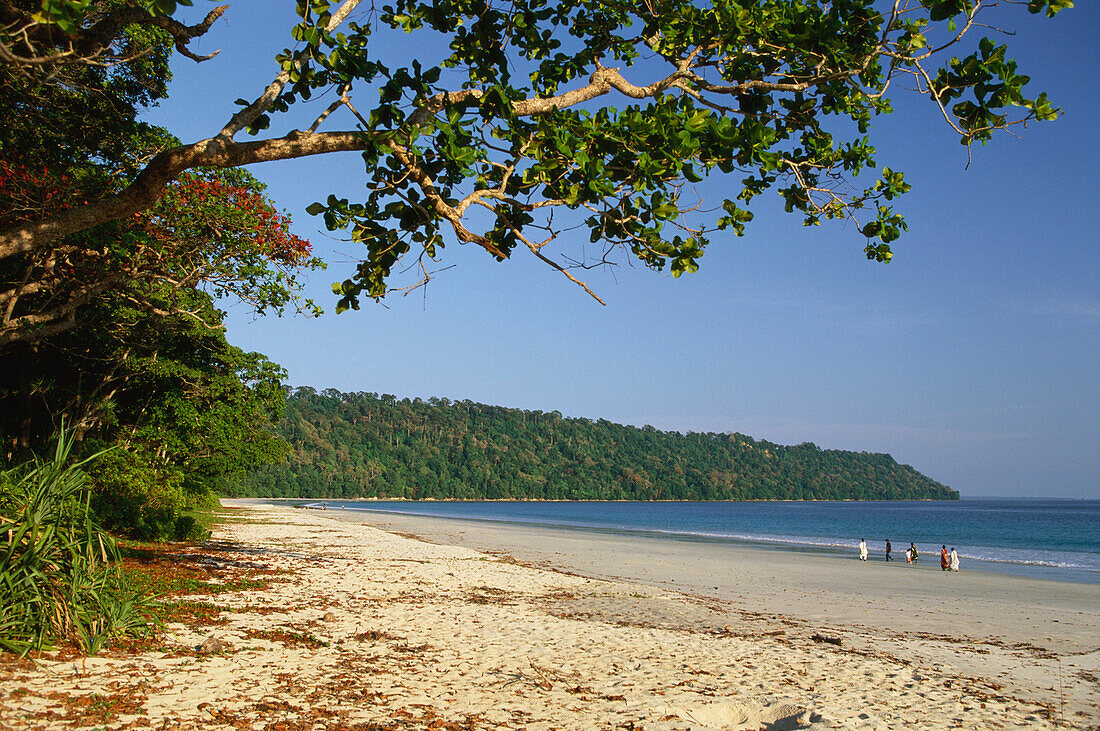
691,175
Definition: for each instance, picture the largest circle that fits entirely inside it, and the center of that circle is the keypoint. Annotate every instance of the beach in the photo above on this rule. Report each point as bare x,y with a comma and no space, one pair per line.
393,622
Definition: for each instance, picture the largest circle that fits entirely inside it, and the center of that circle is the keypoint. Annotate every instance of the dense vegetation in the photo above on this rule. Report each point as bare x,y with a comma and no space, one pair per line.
366,445
115,330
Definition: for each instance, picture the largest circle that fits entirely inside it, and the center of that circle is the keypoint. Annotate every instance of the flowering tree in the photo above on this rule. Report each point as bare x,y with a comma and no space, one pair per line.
210,229
75,75
116,332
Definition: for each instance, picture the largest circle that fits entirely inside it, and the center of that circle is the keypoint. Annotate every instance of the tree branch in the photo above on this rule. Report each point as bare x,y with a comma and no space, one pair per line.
166,167
90,44
249,114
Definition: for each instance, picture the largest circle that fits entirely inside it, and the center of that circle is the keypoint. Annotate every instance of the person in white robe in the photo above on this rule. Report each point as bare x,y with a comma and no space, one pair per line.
862,550
954,562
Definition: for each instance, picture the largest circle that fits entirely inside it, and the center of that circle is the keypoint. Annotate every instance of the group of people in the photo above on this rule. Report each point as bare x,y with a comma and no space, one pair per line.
948,561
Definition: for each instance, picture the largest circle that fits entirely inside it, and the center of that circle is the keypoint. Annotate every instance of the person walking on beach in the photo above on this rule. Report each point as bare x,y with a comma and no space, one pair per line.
862,550
887,549
908,555
954,562
945,560
913,548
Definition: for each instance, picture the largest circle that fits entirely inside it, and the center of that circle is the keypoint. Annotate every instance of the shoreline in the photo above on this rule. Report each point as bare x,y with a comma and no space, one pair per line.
814,546
999,626
403,627
780,580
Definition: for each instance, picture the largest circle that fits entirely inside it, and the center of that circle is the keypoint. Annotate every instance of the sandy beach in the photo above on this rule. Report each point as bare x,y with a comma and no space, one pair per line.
399,622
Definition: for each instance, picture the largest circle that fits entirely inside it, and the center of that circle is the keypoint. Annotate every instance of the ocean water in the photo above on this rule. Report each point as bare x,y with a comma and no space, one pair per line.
1044,538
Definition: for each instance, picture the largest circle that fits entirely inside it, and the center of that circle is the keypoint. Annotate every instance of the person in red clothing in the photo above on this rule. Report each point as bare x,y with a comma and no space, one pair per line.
945,559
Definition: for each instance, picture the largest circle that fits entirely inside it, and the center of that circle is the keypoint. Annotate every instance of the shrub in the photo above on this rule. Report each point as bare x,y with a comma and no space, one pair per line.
133,499
59,574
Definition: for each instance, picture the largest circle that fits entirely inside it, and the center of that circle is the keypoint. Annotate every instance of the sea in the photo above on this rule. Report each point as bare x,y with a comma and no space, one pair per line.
1041,538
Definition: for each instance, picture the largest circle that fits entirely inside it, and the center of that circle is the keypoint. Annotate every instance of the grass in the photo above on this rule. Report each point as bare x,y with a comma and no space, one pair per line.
207,518
179,569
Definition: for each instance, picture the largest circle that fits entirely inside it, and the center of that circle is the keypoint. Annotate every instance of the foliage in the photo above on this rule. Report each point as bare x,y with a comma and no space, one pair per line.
366,445
211,229
72,136
59,577
79,115
114,327
501,125
44,37
185,408
69,137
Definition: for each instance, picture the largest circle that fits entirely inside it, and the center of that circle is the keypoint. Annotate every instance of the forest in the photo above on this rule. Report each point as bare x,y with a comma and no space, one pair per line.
352,445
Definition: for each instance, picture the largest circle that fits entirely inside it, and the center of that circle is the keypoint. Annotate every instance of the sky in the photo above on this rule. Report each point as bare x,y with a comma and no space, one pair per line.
974,356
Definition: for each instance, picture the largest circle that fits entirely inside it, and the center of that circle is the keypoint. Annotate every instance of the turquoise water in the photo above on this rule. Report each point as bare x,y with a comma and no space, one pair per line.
1055,539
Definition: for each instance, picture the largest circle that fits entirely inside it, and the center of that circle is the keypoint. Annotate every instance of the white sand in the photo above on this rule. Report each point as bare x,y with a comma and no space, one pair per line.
441,636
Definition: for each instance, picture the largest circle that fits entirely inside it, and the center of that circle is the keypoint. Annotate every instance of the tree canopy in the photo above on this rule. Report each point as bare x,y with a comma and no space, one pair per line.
535,117
350,445
72,137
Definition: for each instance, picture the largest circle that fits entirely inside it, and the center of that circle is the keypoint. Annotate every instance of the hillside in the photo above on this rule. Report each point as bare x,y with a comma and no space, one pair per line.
366,445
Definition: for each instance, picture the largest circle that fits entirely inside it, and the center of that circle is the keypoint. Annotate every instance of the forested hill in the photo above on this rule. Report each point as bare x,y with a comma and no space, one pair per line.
366,445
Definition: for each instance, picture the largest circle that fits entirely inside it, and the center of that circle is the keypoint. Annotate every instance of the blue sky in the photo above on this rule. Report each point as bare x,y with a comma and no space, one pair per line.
974,356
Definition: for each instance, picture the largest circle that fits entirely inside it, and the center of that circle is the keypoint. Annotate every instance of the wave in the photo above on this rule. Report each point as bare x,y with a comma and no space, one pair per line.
1024,557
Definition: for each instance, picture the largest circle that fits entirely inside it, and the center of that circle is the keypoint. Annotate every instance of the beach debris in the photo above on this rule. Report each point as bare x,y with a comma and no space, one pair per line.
287,637
489,595
827,639
769,716
210,646
329,617
544,681
609,676
543,677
